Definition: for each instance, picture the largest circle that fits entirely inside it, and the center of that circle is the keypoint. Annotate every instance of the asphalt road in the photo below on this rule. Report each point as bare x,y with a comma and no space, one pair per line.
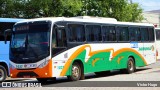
149,74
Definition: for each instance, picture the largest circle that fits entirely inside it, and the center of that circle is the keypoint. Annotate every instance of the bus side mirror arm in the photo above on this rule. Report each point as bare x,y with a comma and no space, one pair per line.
6,32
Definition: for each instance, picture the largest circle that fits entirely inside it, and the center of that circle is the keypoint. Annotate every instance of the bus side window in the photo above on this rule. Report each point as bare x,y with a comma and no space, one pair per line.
1,37
144,34
76,33
105,33
53,38
97,33
151,34
122,33
138,34
89,33
134,34
93,33
61,38
112,33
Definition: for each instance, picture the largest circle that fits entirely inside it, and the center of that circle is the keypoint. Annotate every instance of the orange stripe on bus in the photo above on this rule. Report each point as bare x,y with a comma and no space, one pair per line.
94,61
128,49
119,59
69,61
98,51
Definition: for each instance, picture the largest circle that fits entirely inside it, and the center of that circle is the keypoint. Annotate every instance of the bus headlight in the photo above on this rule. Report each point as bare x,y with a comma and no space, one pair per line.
11,66
43,64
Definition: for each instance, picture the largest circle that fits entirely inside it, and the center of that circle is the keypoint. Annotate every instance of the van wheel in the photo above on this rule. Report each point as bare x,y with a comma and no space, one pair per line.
130,66
76,72
3,73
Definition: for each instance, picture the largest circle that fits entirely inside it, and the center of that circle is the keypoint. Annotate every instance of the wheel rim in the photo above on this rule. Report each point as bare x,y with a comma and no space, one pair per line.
130,65
1,74
75,71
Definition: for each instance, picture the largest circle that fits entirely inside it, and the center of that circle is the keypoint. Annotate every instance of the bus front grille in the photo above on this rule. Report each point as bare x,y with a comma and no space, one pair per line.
27,74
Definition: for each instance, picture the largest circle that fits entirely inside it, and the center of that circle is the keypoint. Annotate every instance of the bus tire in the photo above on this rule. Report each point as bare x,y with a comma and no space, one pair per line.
42,80
3,73
130,66
76,72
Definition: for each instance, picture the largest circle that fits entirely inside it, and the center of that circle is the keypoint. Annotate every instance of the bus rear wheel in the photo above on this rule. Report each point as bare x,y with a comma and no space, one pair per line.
130,66
3,73
76,72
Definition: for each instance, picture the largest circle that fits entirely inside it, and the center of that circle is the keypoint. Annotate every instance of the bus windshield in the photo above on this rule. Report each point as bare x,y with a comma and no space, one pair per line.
30,42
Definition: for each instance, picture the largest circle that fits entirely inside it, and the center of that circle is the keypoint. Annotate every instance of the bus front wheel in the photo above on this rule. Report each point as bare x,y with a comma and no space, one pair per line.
3,73
76,72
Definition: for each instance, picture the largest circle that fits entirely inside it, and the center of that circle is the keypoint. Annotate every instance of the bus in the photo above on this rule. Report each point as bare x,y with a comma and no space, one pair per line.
46,48
158,41
5,23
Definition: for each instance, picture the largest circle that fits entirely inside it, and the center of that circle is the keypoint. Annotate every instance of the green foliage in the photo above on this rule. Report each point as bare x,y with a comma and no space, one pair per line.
6,8
91,8
71,7
122,10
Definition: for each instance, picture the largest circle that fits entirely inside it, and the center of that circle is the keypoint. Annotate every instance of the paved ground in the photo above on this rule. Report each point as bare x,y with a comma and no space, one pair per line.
148,74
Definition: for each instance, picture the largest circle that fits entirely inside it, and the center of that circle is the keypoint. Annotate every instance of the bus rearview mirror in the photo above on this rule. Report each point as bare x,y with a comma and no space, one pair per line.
6,33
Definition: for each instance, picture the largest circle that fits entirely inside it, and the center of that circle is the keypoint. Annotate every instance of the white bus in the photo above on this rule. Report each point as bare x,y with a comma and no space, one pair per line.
44,48
158,41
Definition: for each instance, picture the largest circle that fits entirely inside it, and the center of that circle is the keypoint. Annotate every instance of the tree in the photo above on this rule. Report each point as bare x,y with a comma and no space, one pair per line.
18,8
122,10
91,8
6,9
136,13
71,7
45,8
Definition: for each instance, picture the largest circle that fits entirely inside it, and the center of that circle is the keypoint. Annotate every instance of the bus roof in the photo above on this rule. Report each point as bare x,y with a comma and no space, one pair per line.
10,20
88,20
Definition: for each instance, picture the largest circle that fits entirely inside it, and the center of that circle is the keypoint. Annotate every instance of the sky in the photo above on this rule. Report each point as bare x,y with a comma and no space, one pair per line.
148,5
